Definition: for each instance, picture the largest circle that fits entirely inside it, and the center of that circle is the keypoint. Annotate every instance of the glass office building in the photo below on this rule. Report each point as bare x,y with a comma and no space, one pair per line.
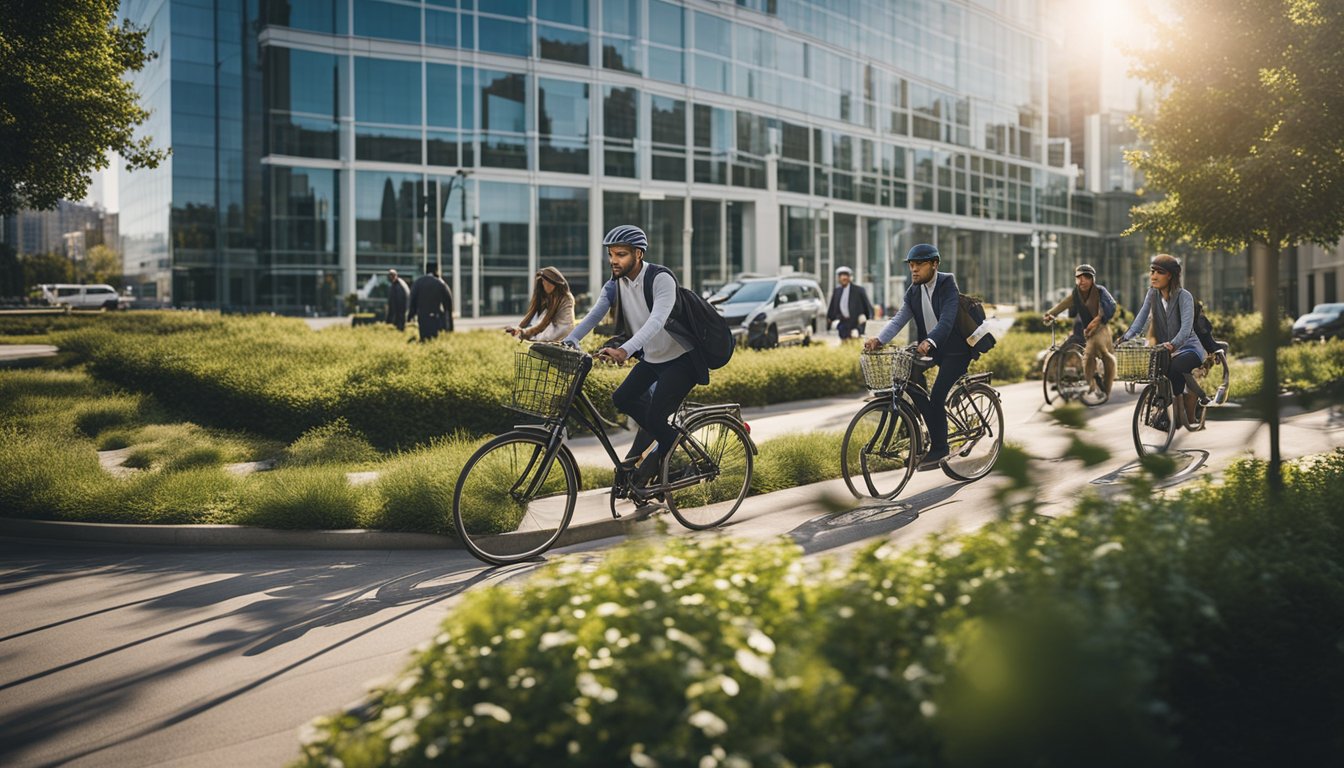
316,143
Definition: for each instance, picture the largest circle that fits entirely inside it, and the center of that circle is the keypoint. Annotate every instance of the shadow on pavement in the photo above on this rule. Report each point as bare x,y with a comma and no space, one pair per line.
287,601
871,518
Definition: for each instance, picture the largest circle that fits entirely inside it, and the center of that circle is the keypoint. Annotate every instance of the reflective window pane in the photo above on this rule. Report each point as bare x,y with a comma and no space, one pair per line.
392,21
503,119
312,15
665,24
505,213
441,95
301,81
387,91
387,214
621,17
562,125
562,236
560,44
713,34
304,205
515,8
510,38
390,145
440,28
572,12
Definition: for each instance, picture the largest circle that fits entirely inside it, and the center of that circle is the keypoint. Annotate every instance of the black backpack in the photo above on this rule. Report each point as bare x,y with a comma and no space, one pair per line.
1204,329
694,322
970,316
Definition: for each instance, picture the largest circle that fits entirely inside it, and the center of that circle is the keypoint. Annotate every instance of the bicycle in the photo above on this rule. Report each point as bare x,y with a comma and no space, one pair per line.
516,495
1065,373
887,438
1156,417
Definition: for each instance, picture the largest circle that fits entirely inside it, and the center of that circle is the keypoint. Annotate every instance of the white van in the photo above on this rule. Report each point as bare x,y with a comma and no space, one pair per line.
83,296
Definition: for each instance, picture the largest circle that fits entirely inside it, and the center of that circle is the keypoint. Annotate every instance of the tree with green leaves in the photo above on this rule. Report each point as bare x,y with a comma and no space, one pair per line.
63,100
102,264
1246,143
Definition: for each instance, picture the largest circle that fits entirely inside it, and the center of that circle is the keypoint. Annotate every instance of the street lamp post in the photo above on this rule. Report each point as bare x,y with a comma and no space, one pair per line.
459,179
1036,271
1050,243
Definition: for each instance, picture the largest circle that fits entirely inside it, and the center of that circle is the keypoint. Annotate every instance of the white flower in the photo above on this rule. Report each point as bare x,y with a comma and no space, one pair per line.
677,636
551,640
486,709
709,723
752,664
1106,549
760,642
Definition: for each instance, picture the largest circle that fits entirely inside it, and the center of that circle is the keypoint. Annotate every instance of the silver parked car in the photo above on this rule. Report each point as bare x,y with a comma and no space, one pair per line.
767,311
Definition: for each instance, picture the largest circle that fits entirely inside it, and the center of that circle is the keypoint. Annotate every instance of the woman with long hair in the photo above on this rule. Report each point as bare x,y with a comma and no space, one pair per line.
1173,314
552,306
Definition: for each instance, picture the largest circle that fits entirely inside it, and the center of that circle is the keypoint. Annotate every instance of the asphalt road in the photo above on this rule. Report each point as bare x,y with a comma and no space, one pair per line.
121,656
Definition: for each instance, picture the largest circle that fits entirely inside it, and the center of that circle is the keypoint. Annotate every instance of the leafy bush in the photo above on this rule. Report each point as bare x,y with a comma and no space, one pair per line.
794,460
311,498
1242,331
1302,368
1138,631
333,443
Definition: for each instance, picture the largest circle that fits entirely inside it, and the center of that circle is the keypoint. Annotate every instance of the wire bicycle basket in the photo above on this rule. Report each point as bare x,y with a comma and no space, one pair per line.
1140,364
884,368
543,379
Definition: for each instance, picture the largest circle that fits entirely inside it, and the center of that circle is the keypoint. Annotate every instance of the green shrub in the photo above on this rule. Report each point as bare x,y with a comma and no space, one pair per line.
190,495
49,477
186,445
333,443
309,498
1143,631
794,460
415,489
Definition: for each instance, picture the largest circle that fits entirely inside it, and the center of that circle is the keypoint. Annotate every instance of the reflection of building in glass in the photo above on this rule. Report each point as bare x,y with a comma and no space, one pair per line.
316,138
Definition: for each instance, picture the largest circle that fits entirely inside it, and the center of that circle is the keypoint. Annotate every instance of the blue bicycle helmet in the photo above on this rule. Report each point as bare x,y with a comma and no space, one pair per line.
923,252
627,234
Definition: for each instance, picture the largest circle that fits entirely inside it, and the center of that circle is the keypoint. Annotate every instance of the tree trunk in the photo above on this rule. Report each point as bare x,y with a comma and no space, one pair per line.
1266,270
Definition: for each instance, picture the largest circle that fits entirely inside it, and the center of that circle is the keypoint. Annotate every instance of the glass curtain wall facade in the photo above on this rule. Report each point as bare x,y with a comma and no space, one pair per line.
317,143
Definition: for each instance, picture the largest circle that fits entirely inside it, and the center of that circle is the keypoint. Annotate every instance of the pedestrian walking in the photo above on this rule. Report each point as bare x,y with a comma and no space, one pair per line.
398,298
850,307
432,304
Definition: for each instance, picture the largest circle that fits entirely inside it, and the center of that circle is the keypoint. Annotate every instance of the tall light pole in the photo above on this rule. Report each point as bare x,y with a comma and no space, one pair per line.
1036,271
1050,243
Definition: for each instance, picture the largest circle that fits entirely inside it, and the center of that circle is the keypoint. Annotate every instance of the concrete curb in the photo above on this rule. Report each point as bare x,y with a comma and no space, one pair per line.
246,537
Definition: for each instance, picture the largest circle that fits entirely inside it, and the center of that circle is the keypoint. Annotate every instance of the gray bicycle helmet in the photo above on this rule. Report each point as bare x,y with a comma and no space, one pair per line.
627,234
923,252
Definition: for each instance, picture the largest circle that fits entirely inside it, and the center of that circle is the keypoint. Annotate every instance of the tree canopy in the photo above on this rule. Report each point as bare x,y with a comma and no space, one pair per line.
1246,144
63,100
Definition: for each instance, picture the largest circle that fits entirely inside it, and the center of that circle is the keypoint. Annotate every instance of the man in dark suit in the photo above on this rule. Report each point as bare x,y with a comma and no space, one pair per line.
850,307
932,302
432,303
398,294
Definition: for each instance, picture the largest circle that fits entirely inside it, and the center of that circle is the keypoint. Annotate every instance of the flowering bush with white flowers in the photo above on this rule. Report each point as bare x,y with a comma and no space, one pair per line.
1201,630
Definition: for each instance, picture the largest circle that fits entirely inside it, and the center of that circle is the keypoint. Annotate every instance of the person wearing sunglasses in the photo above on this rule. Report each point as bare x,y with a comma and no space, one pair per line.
552,307
1172,309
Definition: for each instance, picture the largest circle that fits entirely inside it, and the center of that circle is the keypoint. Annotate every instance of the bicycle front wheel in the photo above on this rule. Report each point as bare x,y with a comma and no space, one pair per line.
975,439
879,446
511,504
1050,376
1154,422
708,472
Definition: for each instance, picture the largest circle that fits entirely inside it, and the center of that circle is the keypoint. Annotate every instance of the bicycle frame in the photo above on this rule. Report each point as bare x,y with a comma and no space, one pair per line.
580,408
898,395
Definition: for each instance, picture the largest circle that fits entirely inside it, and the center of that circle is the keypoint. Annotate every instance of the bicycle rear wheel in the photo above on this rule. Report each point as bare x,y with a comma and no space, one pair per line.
880,446
1069,380
508,507
976,439
1154,422
724,468
1050,376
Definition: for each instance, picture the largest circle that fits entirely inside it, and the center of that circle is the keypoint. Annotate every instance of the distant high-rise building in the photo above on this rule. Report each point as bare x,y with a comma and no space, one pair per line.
44,231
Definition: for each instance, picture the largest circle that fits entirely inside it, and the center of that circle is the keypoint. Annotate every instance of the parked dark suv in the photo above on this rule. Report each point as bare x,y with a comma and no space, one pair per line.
1324,321
766,311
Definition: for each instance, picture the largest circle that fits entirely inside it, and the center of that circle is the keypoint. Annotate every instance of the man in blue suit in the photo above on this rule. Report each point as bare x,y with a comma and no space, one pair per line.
932,302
